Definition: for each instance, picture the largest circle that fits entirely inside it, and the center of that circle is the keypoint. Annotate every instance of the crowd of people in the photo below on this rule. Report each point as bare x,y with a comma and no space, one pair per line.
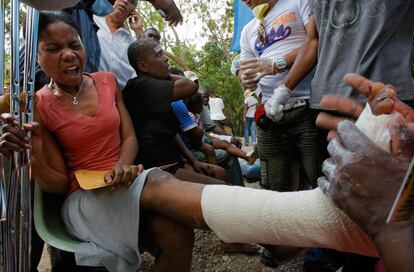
128,112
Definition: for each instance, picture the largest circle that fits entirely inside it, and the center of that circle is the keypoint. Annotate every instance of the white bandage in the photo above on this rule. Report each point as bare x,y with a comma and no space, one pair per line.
375,127
302,219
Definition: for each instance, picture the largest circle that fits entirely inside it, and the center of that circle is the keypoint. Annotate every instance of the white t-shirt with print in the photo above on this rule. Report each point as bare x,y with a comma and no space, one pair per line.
251,103
216,108
285,28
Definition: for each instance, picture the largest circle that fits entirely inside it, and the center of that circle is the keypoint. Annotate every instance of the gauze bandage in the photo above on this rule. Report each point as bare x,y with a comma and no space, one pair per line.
302,219
375,127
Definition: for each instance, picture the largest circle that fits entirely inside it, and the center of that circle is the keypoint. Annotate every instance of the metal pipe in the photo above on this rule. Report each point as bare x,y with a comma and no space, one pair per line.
15,159
32,24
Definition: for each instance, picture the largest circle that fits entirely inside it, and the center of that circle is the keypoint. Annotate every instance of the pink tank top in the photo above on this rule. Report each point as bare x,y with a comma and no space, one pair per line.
91,143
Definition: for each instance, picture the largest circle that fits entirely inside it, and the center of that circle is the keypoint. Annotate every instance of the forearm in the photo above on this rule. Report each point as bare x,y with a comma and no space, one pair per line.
48,178
209,152
396,246
129,150
184,151
219,131
306,60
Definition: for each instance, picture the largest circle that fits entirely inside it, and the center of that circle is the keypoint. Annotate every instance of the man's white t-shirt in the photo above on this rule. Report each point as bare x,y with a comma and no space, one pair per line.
251,103
216,108
114,51
285,27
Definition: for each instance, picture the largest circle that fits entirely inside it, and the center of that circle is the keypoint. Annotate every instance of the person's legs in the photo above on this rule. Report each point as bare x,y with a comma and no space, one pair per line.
275,155
173,240
308,141
188,174
232,166
253,131
180,200
246,132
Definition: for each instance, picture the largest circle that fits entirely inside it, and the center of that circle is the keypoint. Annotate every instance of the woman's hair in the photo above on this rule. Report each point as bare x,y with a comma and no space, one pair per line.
48,18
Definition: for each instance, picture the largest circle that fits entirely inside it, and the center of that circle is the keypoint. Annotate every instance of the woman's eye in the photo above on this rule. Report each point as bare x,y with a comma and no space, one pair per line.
52,49
76,46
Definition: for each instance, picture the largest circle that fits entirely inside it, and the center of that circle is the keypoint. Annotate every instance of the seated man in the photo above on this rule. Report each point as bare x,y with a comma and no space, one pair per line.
212,151
148,99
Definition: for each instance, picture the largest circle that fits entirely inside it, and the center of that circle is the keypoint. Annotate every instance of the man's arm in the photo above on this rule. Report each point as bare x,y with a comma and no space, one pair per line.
306,58
183,87
173,14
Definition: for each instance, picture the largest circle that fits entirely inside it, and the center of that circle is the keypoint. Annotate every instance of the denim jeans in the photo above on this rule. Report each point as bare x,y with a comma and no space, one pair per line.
294,137
249,129
228,162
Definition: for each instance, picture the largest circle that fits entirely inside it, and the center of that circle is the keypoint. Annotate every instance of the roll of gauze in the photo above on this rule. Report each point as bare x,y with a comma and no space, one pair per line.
302,219
375,127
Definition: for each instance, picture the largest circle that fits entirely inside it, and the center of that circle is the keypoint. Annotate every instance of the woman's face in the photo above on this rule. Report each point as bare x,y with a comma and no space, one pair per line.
61,54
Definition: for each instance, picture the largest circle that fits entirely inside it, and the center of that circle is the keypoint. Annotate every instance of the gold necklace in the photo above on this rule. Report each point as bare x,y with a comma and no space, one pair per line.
75,101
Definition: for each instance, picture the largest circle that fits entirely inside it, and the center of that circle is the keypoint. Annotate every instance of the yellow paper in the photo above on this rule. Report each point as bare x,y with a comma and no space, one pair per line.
90,179
260,10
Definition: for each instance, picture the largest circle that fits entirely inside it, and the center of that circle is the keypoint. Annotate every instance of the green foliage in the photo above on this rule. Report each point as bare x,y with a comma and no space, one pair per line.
212,61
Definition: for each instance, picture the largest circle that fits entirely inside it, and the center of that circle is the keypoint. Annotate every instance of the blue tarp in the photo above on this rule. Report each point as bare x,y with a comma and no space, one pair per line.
242,15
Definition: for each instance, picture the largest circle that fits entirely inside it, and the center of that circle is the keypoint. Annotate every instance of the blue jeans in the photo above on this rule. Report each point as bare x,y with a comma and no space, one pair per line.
249,129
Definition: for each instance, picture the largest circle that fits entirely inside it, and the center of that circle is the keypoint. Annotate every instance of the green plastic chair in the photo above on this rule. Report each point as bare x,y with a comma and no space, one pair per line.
49,225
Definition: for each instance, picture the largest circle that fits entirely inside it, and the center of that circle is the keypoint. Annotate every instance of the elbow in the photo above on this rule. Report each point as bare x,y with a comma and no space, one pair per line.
58,188
193,88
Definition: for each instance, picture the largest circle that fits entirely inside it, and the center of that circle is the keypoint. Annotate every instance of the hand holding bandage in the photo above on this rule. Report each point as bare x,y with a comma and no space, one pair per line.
364,172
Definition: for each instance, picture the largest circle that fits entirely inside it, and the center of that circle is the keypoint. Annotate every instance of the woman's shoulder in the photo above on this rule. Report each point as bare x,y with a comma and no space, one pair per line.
103,76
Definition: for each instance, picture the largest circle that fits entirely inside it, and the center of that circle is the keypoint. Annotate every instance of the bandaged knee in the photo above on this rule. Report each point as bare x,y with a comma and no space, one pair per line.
302,219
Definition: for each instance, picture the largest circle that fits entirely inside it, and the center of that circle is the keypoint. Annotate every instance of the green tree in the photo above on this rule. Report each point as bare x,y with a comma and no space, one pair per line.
212,61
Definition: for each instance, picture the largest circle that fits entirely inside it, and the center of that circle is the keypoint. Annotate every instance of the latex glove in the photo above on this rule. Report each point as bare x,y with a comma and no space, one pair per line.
274,106
253,69
361,178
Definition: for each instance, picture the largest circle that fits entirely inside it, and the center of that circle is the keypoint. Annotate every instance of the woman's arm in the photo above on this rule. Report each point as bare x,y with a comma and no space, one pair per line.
48,164
124,172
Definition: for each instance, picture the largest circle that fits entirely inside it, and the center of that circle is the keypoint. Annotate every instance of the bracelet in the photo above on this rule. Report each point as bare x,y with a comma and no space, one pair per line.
281,64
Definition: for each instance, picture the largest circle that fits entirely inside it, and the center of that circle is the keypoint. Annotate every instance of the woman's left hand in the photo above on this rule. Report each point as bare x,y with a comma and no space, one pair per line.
123,174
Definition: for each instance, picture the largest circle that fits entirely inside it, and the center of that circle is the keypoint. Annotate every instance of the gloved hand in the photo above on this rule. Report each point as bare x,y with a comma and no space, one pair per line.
274,106
253,69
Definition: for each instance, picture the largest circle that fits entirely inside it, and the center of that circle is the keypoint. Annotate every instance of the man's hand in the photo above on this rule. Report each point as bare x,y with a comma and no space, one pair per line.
274,106
173,13
352,108
235,141
253,69
135,23
361,178
13,138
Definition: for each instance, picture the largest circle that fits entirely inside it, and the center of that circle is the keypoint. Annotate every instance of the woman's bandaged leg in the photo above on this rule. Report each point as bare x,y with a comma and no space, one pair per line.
302,219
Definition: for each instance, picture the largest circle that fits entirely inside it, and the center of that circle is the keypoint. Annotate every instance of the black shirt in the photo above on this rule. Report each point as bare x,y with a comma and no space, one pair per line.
148,101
